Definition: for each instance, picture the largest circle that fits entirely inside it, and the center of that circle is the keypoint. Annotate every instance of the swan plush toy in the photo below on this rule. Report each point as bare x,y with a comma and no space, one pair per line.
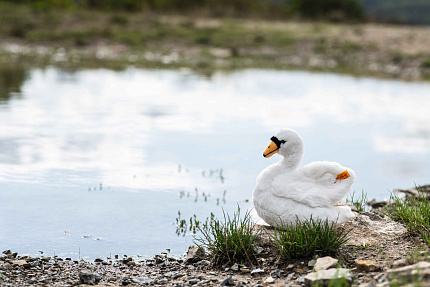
286,192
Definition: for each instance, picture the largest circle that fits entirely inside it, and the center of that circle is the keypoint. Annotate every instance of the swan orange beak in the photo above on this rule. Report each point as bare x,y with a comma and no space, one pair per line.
270,150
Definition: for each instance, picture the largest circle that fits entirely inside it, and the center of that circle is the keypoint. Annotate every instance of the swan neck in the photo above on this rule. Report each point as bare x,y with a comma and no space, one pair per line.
292,161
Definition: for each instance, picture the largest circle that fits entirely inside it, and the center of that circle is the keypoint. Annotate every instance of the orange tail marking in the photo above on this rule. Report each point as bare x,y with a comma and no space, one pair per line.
342,175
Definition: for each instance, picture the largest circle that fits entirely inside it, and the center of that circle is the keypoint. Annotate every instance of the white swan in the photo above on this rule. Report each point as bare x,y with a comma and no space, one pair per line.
285,192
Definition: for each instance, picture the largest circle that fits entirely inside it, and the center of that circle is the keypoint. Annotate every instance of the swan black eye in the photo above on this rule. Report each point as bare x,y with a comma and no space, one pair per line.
277,141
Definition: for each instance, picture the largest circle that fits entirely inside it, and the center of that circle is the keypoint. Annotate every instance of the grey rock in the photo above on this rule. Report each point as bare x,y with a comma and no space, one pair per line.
301,279
324,263
421,269
7,266
325,276
195,254
163,281
289,277
276,273
87,277
235,267
227,281
193,281
312,263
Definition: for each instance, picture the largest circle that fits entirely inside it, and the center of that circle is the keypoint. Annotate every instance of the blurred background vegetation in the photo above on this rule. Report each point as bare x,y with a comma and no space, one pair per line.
393,11
330,9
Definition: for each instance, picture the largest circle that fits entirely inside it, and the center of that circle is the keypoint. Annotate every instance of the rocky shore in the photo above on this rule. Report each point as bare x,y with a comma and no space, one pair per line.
379,252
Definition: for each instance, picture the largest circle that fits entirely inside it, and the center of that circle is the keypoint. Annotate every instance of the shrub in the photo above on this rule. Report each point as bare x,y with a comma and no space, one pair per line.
309,237
346,9
230,240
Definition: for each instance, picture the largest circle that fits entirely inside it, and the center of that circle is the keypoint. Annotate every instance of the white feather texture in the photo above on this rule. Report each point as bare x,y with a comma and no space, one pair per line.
285,191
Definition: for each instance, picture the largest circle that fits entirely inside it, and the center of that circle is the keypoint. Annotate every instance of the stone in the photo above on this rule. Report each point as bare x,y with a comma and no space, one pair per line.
245,269
259,250
399,263
326,276
235,267
7,266
276,273
227,281
410,272
270,280
141,280
289,277
301,279
312,263
193,281
195,254
257,271
87,277
22,263
367,265
324,263
163,281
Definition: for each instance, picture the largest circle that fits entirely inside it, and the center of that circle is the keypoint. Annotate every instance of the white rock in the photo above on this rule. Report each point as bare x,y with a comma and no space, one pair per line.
324,263
324,276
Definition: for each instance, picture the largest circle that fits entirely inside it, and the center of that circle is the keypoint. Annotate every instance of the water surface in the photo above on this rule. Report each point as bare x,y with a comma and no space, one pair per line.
97,162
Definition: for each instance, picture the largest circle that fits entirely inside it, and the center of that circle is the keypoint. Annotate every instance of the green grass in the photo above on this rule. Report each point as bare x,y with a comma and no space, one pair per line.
360,203
230,240
309,237
413,212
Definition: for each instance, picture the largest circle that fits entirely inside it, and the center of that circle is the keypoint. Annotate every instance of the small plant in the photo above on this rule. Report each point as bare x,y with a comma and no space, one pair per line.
360,202
230,240
183,226
413,212
309,237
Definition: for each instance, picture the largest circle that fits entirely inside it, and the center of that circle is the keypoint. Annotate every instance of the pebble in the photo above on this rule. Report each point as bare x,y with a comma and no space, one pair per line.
227,281
257,271
367,265
270,280
324,263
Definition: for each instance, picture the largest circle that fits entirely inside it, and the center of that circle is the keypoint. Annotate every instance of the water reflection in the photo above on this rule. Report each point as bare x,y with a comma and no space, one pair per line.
11,80
117,154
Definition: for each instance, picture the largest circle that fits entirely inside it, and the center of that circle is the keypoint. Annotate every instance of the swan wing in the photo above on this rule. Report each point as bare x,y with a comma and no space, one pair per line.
318,184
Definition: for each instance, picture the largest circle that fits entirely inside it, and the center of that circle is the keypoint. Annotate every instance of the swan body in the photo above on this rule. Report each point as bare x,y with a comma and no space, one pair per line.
286,192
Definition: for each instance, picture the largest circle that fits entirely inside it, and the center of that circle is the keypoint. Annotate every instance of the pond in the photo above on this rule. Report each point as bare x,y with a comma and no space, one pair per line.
95,163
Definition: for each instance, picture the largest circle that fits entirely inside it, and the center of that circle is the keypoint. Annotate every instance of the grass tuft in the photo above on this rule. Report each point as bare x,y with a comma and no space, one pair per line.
413,212
309,237
360,202
230,240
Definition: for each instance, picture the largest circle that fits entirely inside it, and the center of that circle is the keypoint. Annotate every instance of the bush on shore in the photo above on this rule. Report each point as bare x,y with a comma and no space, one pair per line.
320,9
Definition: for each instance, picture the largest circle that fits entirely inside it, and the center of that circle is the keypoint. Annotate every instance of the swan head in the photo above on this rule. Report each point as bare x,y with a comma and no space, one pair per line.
286,142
